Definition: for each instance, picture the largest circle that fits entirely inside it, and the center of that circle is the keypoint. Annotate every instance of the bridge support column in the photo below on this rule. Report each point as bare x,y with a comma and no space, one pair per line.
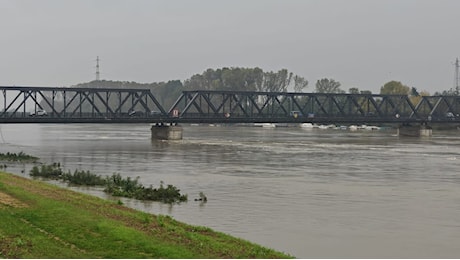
417,130
166,132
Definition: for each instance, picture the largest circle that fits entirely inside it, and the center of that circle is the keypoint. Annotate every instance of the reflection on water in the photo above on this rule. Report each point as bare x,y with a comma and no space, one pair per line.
310,193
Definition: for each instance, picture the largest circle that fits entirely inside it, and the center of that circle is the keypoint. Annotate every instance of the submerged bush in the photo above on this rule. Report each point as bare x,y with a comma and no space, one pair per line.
51,171
54,171
20,157
202,197
83,178
131,188
169,194
116,185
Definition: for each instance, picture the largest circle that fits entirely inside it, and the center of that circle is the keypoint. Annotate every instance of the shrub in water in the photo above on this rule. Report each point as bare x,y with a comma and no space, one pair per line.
51,171
83,178
117,186
170,194
17,157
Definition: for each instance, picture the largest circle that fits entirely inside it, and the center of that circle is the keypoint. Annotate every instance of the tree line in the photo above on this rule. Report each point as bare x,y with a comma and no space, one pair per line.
246,79
253,79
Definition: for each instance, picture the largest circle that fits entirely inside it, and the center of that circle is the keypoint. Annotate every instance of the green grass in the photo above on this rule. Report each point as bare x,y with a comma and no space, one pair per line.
39,220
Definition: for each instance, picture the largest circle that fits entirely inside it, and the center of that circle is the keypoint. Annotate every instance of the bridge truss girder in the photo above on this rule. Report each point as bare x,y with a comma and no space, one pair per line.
100,105
230,106
74,104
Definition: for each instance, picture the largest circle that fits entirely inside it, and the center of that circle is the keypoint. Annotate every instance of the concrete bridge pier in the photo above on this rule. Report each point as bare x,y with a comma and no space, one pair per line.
415,130
161,131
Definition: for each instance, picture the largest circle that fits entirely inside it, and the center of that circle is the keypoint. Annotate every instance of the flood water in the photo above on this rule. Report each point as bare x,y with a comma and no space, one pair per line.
309,193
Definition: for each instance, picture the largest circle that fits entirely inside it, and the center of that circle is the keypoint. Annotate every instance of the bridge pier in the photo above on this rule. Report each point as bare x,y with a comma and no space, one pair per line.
415,130
162,131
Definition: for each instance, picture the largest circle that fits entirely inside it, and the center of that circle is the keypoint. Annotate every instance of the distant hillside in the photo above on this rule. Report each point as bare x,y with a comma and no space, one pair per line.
115,84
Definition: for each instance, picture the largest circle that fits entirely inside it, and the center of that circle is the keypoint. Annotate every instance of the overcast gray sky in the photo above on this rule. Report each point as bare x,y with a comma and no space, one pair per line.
360,43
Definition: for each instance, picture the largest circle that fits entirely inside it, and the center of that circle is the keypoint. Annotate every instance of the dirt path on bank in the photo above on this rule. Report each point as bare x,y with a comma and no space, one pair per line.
7,200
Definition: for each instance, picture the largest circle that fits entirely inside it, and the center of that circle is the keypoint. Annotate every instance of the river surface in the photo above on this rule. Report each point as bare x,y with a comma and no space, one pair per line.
309,193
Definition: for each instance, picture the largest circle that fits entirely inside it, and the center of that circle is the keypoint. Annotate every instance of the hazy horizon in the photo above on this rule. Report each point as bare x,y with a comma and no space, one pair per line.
359,43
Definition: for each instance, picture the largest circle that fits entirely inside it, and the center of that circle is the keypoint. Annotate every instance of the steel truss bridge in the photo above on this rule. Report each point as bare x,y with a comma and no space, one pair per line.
104,105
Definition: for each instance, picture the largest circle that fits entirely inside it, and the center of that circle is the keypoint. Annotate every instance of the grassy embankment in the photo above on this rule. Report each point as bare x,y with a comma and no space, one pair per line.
39,220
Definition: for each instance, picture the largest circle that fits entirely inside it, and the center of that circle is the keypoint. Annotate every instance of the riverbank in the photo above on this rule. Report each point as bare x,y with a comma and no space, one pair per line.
40,220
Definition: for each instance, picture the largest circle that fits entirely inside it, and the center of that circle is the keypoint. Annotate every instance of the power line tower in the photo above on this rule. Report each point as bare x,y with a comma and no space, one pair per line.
457,87
98,74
